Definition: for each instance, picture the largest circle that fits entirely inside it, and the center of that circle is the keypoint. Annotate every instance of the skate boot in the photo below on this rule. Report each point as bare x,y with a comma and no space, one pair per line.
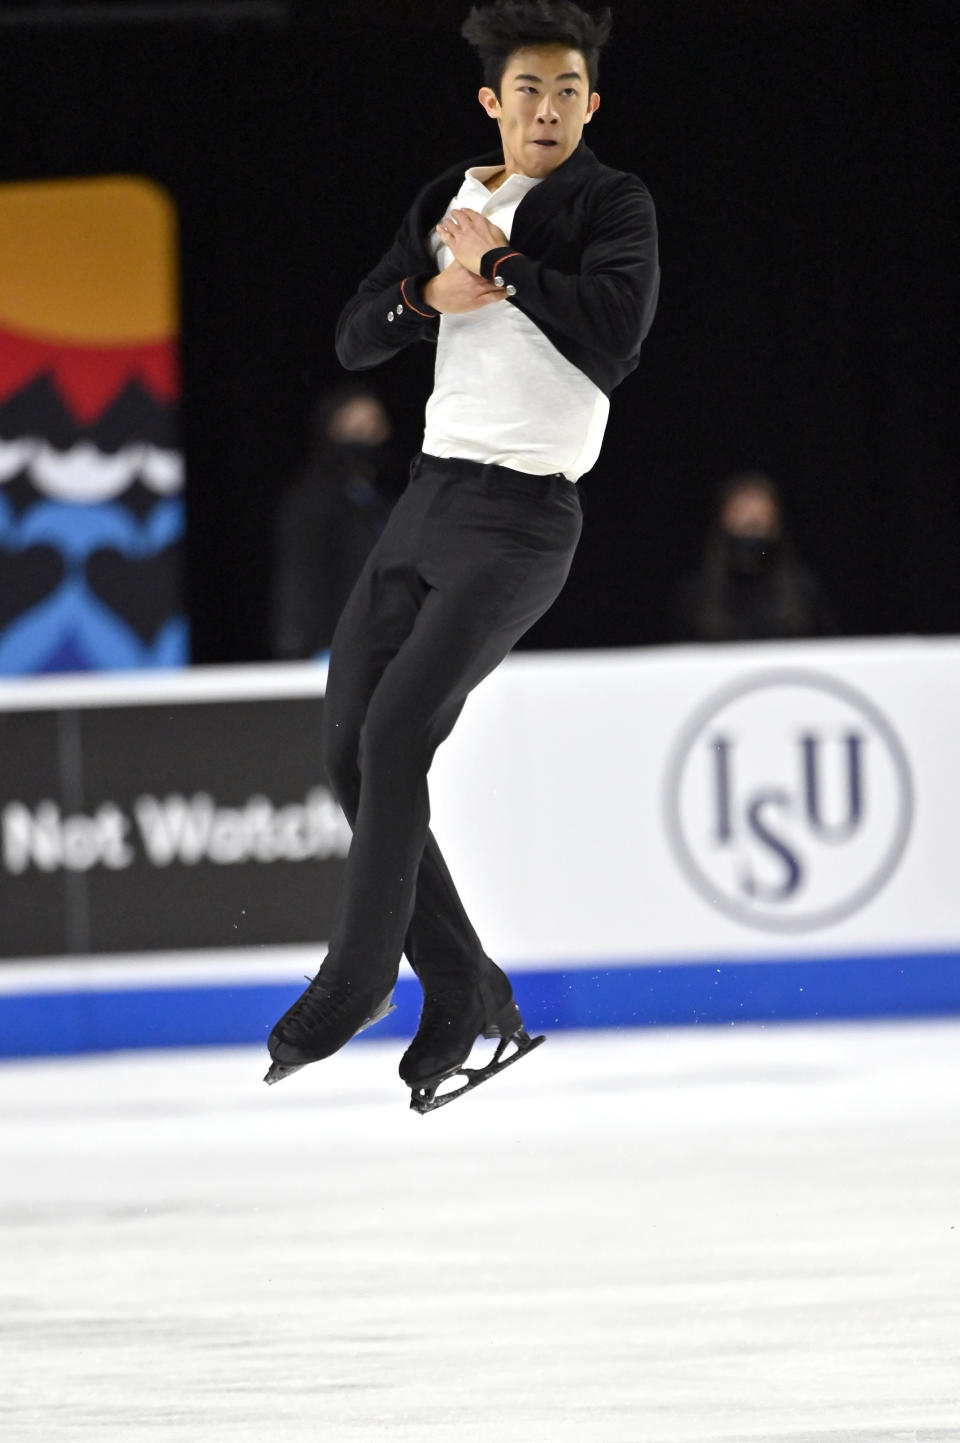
456,1011
325,1016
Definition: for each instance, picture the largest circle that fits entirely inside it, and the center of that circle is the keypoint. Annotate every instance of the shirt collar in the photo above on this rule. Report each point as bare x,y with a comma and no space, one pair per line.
514,185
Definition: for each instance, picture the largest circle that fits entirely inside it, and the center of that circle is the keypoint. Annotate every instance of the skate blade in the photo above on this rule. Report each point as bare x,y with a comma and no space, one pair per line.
385,1008
427,1099
277,1071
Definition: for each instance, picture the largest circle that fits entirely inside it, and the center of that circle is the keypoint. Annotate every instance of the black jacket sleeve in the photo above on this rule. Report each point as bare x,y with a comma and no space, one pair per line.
609,303
388,310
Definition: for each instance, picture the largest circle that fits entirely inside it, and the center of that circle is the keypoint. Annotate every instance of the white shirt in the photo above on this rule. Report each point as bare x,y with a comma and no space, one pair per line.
502,392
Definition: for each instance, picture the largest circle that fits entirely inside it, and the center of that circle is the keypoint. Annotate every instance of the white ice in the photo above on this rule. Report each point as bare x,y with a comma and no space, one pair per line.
731,1236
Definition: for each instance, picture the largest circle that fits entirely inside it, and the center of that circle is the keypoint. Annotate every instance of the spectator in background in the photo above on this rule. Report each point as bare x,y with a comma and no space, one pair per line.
750,586
329,519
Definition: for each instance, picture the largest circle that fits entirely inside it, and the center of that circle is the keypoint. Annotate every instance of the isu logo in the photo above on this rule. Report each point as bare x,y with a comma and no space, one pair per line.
788,801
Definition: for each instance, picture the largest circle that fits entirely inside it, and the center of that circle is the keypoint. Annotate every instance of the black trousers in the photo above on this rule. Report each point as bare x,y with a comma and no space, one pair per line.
471,556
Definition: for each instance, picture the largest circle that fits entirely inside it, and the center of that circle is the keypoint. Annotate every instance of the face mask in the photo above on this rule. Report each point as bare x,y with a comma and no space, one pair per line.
360,458
750,555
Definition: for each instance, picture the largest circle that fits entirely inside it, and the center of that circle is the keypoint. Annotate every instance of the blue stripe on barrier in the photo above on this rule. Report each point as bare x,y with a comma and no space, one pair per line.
789,990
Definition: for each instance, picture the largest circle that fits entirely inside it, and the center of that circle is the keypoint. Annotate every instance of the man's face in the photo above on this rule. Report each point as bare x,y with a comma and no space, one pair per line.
362,419
750,512
544,104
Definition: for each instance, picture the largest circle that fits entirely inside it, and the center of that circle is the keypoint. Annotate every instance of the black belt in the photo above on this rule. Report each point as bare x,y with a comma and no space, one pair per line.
460,466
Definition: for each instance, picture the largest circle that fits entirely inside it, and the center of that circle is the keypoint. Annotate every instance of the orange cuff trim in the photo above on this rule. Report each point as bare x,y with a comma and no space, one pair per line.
500,261
427,315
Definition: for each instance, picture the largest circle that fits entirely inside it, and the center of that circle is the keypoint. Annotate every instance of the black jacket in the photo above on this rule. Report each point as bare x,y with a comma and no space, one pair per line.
587,273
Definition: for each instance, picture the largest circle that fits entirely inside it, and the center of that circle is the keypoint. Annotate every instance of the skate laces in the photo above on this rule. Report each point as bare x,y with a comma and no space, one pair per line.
321,1002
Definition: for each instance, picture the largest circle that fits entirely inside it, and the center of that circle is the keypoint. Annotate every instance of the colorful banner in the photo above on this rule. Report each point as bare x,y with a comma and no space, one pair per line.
91,476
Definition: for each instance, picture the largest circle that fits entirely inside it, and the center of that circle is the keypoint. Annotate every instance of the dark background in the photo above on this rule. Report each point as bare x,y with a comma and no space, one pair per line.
802,154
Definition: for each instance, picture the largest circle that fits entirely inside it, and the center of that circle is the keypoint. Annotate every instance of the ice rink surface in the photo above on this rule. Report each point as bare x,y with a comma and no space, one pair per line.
739,1235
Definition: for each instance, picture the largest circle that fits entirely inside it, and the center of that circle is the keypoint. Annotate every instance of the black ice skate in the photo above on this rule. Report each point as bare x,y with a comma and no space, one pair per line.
324,1017
455,1014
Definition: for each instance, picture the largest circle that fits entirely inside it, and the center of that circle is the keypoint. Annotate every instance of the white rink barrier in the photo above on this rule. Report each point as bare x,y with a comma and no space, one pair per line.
683,835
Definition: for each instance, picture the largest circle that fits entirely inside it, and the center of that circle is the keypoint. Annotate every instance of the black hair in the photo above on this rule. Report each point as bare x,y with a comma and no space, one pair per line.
500,28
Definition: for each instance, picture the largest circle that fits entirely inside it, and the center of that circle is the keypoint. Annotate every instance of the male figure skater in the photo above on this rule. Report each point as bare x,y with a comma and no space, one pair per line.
535,270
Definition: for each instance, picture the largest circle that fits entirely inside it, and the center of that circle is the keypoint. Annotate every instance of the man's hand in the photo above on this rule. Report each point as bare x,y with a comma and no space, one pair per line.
455,291
470,235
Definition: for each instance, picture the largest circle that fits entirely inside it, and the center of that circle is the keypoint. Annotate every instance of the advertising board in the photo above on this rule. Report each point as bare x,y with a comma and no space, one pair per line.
726,834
